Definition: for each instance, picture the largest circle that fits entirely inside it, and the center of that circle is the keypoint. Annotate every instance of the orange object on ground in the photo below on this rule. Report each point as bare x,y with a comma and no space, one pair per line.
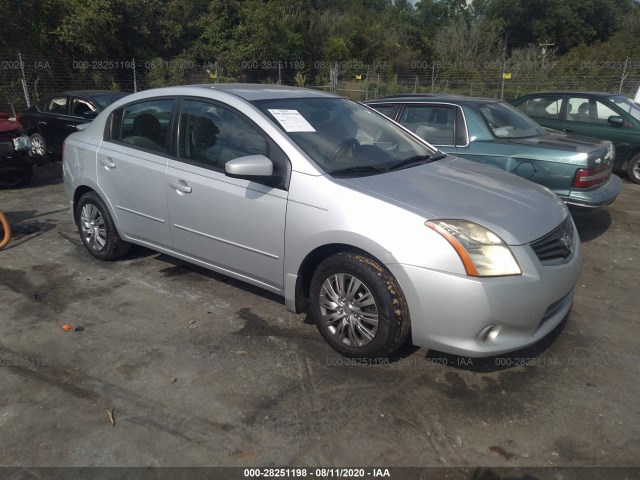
66,327
6,229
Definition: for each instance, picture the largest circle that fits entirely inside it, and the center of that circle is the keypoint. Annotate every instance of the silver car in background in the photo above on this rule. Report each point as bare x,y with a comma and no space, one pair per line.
333,206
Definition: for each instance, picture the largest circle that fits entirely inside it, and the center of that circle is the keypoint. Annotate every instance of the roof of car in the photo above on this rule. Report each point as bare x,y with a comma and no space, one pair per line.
85,93
571,92
252,91
430,97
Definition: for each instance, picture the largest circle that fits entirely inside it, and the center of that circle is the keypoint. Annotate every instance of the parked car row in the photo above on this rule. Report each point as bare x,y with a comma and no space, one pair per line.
355,218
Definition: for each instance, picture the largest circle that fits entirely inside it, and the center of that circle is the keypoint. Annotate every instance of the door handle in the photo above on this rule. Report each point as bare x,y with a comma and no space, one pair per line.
42,122
179,187
567,130
70,126
107,162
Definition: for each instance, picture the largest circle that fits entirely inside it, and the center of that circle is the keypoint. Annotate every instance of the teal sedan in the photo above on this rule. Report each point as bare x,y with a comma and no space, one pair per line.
577,169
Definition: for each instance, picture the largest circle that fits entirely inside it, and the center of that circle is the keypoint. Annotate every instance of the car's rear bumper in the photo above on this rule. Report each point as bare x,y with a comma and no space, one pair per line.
597,196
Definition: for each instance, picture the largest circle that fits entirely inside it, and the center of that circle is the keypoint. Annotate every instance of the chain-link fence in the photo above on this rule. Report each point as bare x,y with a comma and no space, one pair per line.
24,80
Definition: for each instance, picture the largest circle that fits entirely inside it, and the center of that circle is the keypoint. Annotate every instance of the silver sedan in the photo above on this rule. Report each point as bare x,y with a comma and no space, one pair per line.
349,216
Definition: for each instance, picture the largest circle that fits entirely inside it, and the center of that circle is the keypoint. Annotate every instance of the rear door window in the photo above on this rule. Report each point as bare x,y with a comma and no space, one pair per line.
145,125
433,123
57,106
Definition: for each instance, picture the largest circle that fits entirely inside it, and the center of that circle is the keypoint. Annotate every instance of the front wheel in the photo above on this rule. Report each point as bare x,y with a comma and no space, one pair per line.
97,229
358,306
633,169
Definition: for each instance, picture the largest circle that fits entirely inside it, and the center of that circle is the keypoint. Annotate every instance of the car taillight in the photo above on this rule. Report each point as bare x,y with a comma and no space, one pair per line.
590,177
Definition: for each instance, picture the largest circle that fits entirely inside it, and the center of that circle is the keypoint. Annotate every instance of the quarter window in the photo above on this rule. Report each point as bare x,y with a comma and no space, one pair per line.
57,105
213,135
542,107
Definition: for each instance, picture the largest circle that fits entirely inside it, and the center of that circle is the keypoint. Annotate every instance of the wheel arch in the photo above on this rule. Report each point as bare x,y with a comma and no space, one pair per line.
311,262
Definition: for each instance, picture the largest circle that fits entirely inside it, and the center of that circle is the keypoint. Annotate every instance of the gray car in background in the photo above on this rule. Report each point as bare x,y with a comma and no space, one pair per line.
328,203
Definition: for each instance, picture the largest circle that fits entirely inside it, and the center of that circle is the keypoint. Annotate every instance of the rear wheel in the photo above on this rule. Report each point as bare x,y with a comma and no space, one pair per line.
633,169
358,306
97,229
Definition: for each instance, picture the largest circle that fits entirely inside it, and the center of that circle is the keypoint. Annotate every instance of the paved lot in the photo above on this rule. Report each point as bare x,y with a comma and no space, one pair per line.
203,370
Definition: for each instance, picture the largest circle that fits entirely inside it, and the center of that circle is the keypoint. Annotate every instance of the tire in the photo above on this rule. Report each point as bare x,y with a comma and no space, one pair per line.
97,230
39,147
12,177
633,169
349,325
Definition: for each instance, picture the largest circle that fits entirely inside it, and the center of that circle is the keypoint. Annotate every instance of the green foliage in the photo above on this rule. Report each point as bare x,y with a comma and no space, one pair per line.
293,41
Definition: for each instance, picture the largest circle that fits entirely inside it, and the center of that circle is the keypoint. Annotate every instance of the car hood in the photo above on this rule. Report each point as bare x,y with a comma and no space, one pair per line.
9,126
518,210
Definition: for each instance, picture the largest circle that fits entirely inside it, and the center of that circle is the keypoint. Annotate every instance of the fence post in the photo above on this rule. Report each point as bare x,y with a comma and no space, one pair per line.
135,82
624,75
433,77
23,80
366,86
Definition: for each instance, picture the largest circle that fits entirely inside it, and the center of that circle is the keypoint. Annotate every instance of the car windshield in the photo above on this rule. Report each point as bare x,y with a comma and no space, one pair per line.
626,104
507,122
345,138
105,99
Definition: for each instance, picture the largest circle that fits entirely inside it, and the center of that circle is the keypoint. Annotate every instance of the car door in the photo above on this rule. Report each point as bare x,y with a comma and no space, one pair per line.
589,116
132,163
230,224
54,123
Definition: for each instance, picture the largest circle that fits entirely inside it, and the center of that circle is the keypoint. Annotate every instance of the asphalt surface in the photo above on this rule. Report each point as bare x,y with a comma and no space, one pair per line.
203,370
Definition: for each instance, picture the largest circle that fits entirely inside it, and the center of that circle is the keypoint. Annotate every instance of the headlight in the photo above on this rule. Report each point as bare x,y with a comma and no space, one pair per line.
483,253
22,143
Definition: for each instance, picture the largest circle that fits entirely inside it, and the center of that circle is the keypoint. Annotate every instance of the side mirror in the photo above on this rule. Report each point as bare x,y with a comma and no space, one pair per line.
615,120
89,115
256,168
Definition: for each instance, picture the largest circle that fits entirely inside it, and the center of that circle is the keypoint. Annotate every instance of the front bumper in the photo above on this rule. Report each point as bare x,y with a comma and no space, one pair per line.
452,313
597,196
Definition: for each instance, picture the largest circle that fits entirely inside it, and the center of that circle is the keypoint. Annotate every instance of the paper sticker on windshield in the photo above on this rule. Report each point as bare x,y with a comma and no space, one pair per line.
291,120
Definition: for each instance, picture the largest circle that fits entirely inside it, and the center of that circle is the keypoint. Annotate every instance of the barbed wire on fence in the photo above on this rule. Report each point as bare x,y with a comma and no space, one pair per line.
24,80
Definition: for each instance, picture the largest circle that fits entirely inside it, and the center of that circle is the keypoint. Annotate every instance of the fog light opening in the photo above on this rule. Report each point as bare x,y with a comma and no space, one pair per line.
489,333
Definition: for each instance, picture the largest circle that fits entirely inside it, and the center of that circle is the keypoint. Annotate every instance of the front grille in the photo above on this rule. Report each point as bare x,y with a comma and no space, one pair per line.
557,246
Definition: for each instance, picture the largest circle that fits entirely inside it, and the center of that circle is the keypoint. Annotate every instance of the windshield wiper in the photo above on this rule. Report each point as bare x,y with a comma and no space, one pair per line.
357,169
416,160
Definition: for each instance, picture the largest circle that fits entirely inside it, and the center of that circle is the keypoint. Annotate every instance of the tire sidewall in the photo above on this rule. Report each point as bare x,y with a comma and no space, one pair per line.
96,201
376,281
45,153
632,169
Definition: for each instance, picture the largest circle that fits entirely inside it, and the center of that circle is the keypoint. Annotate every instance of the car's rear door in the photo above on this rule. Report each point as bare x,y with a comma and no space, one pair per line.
132,163
54,123
230,224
